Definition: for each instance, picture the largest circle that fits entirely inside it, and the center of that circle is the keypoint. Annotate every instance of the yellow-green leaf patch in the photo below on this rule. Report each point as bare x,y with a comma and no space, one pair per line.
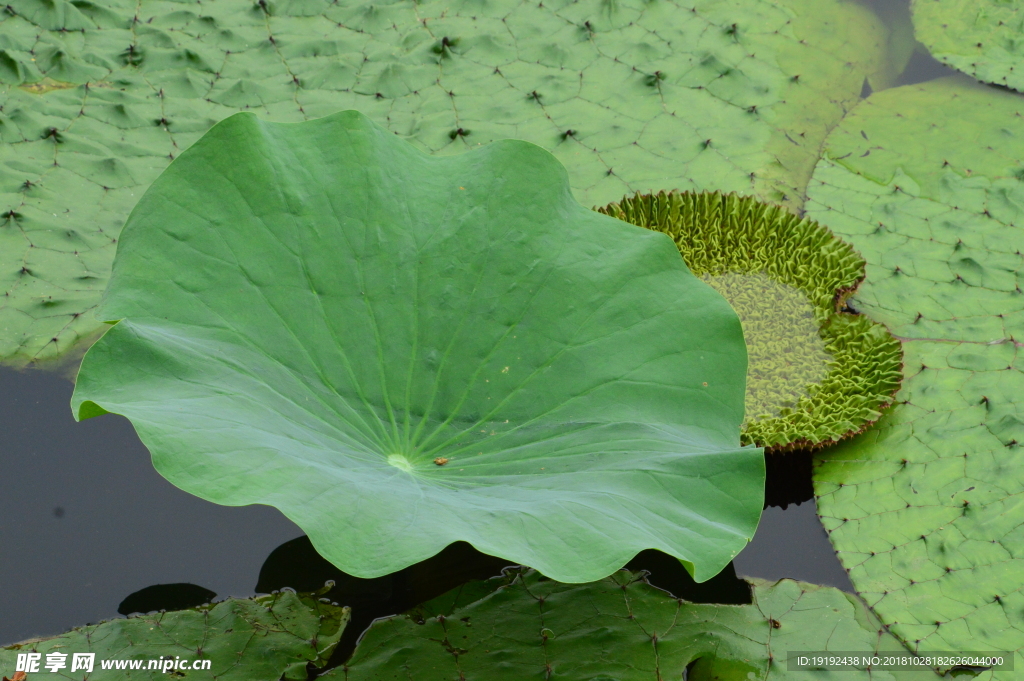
982,38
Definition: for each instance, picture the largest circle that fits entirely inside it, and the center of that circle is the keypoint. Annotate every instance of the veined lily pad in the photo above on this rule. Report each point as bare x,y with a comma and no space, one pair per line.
925,509
982,38
401,351
816,374
259,639
522,626
629,95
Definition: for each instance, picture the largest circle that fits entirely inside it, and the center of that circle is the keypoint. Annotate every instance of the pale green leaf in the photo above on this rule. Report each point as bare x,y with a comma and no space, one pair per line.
629,95
925,509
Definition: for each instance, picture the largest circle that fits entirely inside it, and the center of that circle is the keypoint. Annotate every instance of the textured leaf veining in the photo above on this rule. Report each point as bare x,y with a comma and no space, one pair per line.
521,626
924,509
629,95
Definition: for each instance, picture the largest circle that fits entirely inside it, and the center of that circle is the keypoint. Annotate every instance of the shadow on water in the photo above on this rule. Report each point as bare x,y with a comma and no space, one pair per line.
296,565
668,574
788,479
165,597
790,540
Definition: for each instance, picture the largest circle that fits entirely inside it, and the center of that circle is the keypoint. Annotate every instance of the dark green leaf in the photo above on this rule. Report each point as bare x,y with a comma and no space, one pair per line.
260,639
524,627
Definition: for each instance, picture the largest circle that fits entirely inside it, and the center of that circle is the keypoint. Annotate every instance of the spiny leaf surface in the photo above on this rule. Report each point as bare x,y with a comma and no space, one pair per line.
525,627
982,38
629,95
401,351
925,509
807,401
261,639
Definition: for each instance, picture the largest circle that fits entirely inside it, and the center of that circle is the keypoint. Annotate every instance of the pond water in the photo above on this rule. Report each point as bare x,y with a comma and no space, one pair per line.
86,521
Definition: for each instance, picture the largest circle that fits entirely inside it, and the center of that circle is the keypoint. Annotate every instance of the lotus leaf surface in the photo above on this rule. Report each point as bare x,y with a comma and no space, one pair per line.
926,510
401,351
260,639
982,38
816,374
96,99
522,626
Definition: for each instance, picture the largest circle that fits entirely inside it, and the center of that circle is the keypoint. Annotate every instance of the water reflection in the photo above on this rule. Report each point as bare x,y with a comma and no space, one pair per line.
166,597
792,543
790,540
923,67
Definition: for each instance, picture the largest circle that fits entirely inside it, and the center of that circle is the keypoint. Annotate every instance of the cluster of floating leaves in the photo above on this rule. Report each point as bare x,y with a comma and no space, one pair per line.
523,626
95,101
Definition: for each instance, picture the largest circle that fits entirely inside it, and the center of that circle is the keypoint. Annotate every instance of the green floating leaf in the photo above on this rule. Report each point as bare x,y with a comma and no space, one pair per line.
982,38
815,375
401,351
523,626
260,639
629,95
925,510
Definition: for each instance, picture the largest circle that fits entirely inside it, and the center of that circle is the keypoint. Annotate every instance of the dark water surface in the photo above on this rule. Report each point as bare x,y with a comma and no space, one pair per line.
86,522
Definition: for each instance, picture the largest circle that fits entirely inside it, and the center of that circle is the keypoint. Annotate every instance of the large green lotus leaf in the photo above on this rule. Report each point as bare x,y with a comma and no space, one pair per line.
629,95
401,350
524,627
926,510
982,38
260,639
